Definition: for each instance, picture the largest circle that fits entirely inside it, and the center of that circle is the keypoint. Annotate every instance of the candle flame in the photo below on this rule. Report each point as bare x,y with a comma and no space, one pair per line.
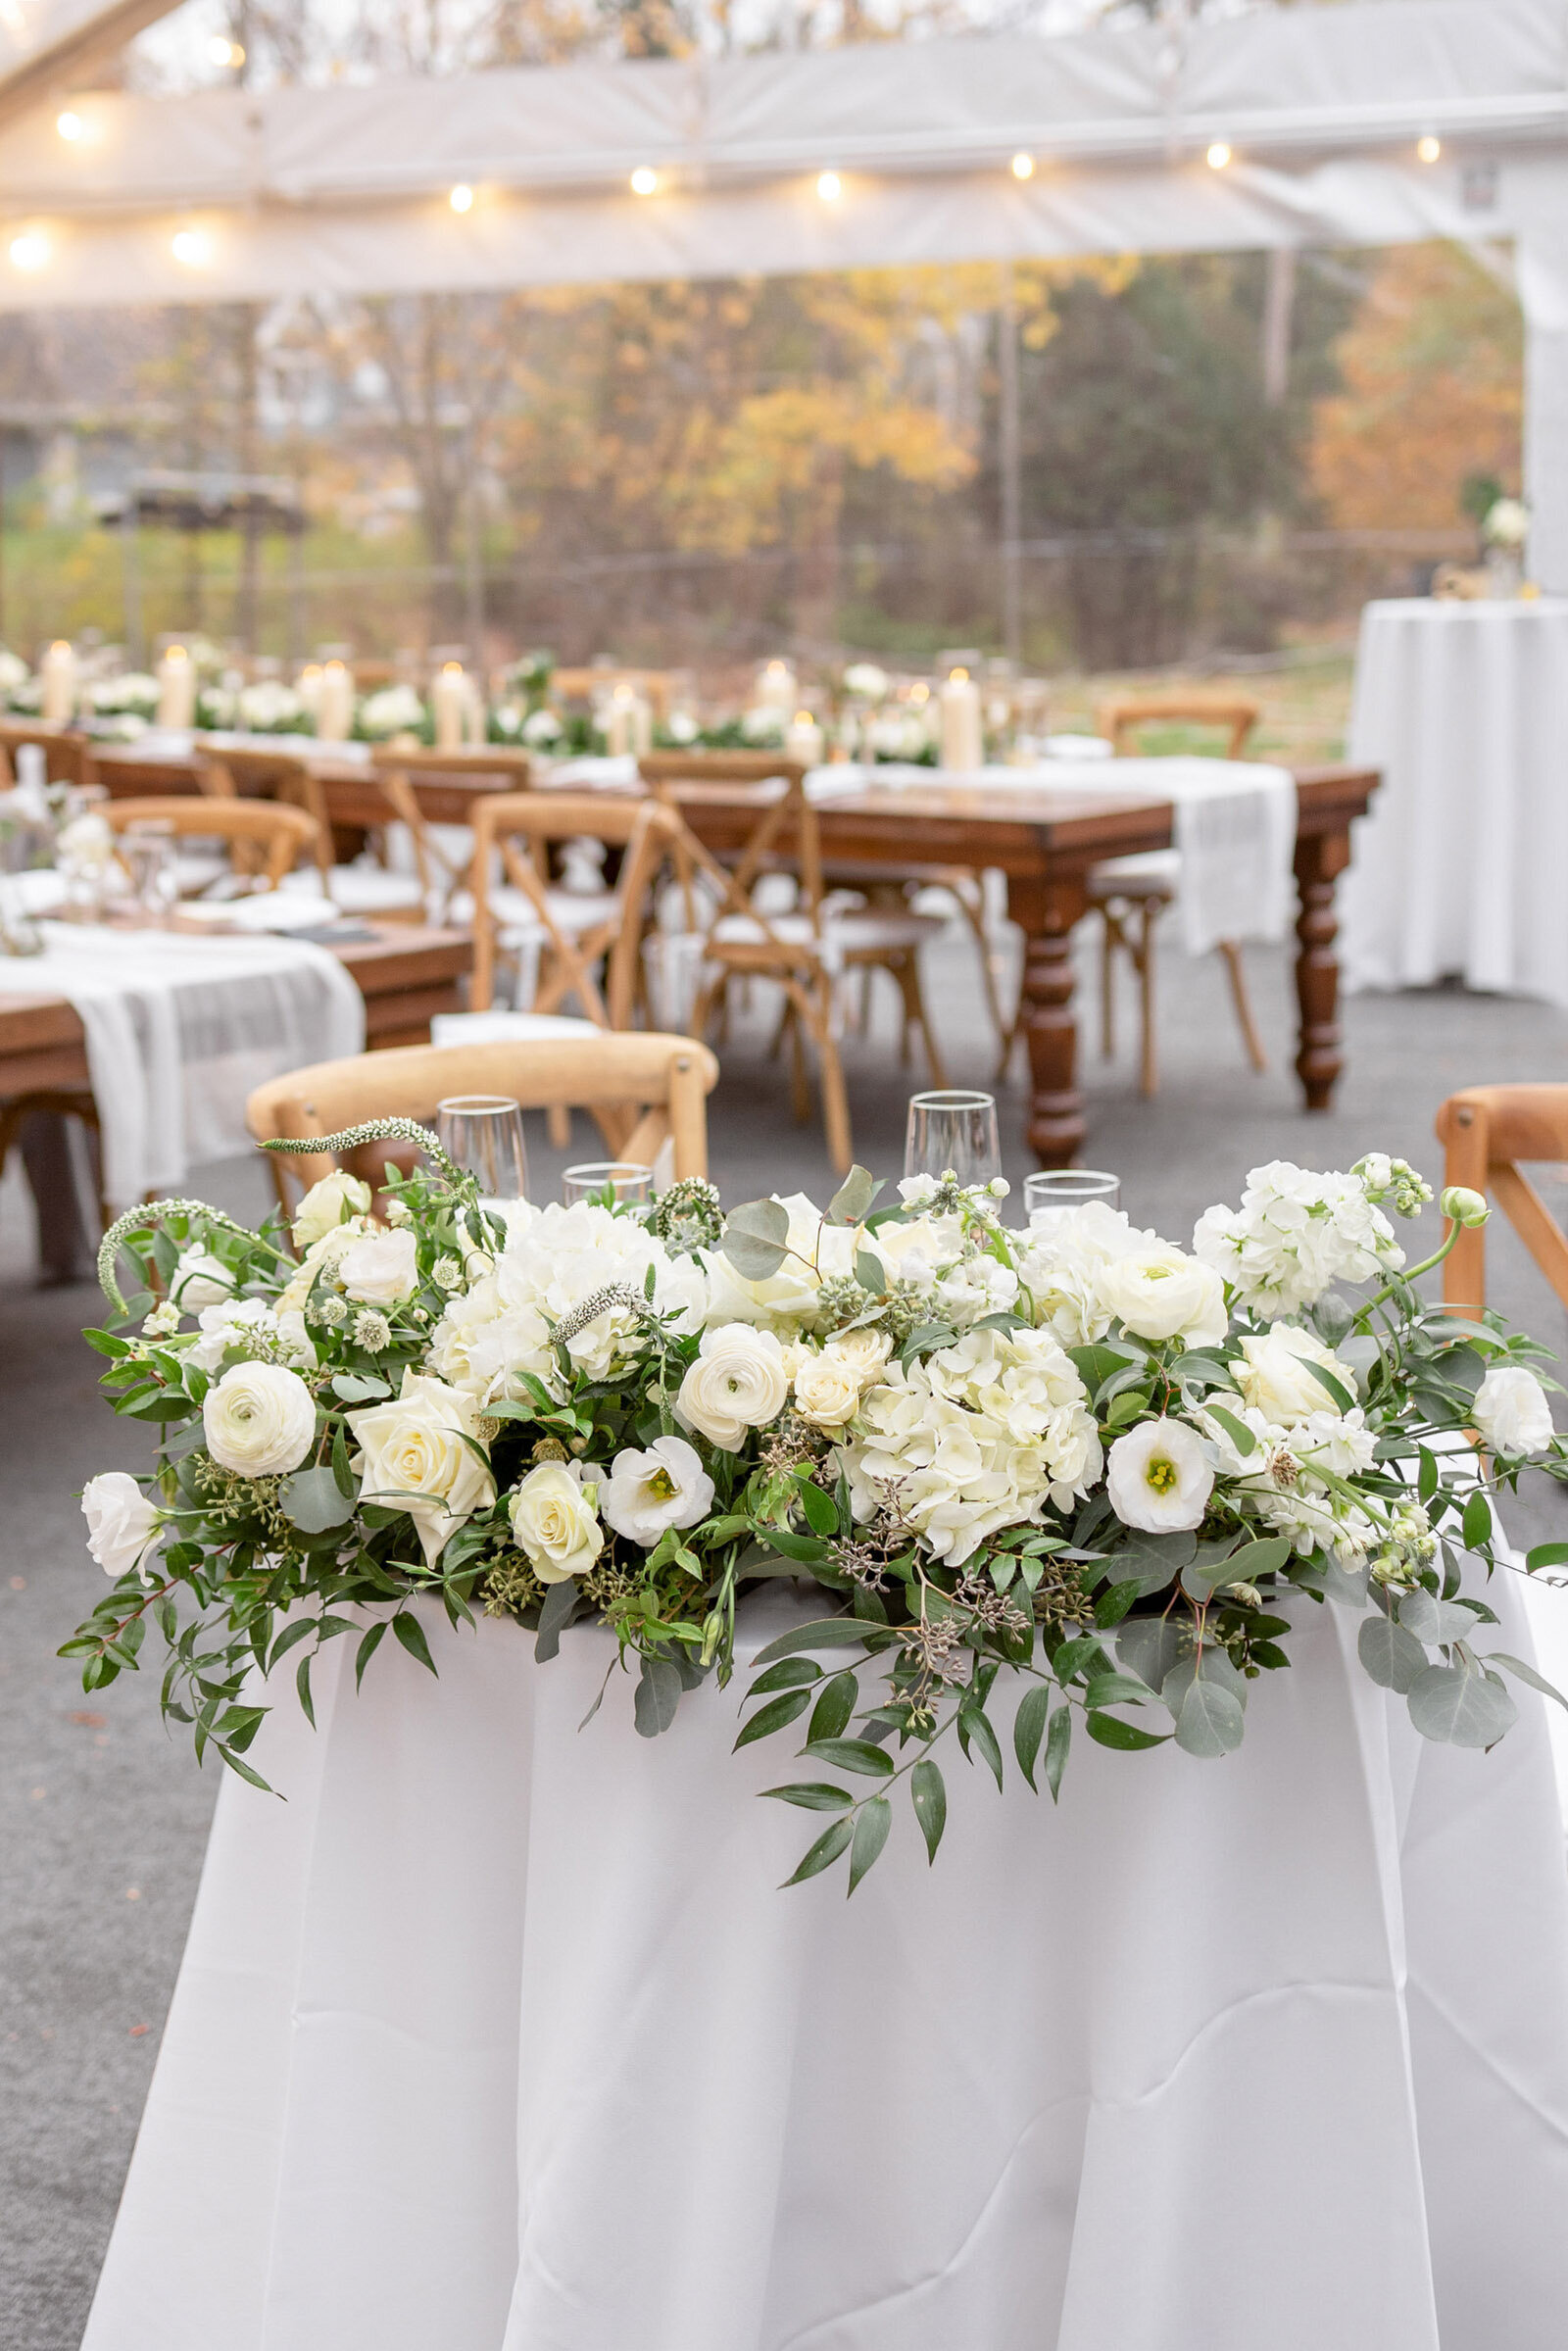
452,668
961,678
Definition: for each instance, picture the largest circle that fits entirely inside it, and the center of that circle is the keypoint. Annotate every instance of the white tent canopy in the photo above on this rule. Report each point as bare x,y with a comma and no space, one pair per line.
46,44
236,194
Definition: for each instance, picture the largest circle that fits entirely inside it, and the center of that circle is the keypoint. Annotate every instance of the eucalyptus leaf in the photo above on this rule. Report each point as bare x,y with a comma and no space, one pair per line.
776,1715
1460,1707
1433,1621
1525,1673
358,1388
1154,1559
1209,1720
853,1195
658,1695
1149,1647
559,1603
756,1238
870,1273
313,1500
1392,1654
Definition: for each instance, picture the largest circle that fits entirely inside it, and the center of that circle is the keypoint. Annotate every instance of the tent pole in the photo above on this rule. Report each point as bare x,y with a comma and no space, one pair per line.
1543,270
1009,464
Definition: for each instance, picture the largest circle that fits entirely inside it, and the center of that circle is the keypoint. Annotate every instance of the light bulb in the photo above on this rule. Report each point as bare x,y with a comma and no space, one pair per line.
1429,148
220,51
1220,155
189,247
829,187
70,124
29,251
643,181
462,198
1023,167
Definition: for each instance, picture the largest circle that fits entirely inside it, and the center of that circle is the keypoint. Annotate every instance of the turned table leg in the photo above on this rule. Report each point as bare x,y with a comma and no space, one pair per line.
1048,911
1320,857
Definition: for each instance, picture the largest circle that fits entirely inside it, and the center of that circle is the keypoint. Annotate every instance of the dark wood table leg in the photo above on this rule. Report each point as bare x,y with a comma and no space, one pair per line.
1048,911
1320,859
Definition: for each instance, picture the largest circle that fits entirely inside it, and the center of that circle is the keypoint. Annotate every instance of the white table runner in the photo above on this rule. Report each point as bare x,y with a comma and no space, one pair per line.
179,1030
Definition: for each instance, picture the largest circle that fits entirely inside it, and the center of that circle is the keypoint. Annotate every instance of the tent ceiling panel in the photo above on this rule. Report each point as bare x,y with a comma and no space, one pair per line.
46,44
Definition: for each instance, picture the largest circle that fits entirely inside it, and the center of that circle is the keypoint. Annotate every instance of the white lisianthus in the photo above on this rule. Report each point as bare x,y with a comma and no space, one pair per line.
416,1457
121,1523
818,1252
1511,1411
199,1279
828,1388
1159,1292
1061,1262
381,1269
258,1420
1273,1374
1159,1477
738,1382
326,1203
645,1494
1295,1235
554,1522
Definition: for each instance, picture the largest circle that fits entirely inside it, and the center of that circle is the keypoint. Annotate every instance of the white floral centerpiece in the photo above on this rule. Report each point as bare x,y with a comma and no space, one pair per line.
391,711
1078,1465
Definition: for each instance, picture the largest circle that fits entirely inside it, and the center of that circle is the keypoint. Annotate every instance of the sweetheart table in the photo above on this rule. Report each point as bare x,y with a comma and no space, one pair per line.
498,2036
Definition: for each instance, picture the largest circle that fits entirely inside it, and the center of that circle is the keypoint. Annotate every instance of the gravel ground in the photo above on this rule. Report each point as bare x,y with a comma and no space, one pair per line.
105,1815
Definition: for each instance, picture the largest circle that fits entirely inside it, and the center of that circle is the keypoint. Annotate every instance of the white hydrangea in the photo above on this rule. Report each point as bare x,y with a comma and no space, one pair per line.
1295,1235
1061,1263
981,1435
553,1259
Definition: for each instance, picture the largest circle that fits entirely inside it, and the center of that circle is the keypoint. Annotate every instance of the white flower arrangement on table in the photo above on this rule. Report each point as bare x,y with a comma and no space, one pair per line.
1076,1464
1507,524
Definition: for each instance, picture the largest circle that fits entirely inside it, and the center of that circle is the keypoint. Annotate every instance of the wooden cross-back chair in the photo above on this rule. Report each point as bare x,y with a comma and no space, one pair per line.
69,754
1485,1131
643,1090
803,952
227,771
512,890
1130,893
443,853
265,839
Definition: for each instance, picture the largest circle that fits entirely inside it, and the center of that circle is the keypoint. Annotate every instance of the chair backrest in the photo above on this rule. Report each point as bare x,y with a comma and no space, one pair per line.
516,830
1120,719
278,836
581,685
70,754
443,870
1484,1132
230,773
669,1079
783,832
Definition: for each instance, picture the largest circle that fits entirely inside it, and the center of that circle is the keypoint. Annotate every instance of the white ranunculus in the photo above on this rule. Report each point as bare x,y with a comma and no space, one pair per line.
199,1279
415,1459
1511,1410
1273,1374
326,1203
647,1493
121,1523
828,1388
259,1419
738,1382
1161,1294
1158,1478
554,1521
382,1269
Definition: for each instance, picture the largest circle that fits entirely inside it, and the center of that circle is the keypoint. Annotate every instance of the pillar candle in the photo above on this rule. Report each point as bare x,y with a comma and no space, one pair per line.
176,687
776,687
334,705
963,744
449,704
57,672
629,724
802,740
307,686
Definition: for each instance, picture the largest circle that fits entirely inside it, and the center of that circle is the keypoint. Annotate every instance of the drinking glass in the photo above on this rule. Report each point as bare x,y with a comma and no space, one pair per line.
623,1181
483,1134
1047,1194
953,1131
149,856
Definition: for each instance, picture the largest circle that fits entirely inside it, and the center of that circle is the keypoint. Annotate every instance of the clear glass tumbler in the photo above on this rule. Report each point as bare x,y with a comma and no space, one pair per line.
620,1181
1047,1192
149,852
952,1131
482,1133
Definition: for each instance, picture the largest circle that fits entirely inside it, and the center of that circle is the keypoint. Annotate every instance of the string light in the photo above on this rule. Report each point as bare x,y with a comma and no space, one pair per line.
70,124
1220,155
829,187
29,251
645,181
1023,167
1429,148
462,198
190,247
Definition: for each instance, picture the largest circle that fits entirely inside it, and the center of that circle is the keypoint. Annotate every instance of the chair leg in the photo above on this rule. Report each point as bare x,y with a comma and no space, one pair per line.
907,971
799,1083
559,1120
1107,984
835,1102
1245,1021
1144,958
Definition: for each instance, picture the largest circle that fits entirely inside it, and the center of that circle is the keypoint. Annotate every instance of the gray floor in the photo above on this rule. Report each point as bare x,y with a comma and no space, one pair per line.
105,1816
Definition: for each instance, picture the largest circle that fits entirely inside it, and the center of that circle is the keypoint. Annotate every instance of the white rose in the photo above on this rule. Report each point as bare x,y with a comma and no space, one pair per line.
647,1493
554,1521
382,1269
737,1383
1511,1410
1274,1377
1159,1477
200,1280
121,1523
415,1459
865,1350
827,1390
1161,1294
260,1420
326,1203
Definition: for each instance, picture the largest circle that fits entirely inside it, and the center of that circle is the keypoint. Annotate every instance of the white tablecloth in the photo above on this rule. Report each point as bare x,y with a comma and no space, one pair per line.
498,2036
179,1030
1461,867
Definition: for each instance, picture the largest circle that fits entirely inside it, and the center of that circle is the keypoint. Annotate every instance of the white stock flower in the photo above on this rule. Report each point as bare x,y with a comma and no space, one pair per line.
1511,1410
381,1269
554,1522
738,1382
415,1459
199,1279
121,1523
1061,1262
647,1493
327,1204
1159,1477
827,1388
252,1327
1295,1235
1159,1292
259,1419
1273,1374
